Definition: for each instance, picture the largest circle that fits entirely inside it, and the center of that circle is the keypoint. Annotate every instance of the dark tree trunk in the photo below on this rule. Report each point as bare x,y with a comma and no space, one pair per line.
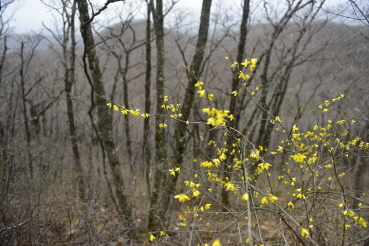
234,107
159,199
104,117
146,145
69,81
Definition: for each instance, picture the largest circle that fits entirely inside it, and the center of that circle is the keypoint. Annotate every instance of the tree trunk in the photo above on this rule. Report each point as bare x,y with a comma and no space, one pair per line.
233,106
104,118
146,145
69,80
159,199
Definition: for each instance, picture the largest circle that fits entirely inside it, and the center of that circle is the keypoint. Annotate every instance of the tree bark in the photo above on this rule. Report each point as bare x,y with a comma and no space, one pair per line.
233,106
69,80
159,199
104,118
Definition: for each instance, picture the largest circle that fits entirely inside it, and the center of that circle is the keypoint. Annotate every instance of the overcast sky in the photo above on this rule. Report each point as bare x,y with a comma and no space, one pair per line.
31,13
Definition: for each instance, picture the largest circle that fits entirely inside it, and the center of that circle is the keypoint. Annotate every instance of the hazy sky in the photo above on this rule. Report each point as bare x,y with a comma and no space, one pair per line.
31,13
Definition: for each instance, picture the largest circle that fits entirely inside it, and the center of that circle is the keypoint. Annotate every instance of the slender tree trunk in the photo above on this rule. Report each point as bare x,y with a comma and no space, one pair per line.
24,105
235,86
146,145
164,184
159,199
104,118
69,81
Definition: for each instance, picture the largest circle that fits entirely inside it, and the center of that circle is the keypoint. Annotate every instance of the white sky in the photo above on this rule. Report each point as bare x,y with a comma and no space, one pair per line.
31,13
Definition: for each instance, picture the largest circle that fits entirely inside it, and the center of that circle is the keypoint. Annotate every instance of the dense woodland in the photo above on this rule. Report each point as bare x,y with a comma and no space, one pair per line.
74,171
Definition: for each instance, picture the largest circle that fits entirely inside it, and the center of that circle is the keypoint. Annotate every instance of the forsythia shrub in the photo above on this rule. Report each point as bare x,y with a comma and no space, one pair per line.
298,192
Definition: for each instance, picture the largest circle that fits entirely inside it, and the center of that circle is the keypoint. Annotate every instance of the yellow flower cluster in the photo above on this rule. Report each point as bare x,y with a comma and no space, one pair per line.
123,110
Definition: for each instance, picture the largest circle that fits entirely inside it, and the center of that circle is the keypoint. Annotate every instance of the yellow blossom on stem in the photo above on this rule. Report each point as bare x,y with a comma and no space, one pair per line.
362,222
163,125
152,238
245,197
304,232
298,157
234,64
145,115
243,76
272,198
182,197
199,85
201,93
246,63
195,192
264,200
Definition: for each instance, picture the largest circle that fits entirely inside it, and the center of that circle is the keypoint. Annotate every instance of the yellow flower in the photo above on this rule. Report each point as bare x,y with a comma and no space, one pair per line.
291,205
216,242
254,154
201,93
264,200
264,165
135,112
246,63
298,157
166,98
234,64
195,192
182,197
346,226
272,198
110,105
304,232
362,222
162,233
152,238
235,93
243,76
325,110
199,85
245,197
210,97
145,115
207,206
172,172
229,186
163,125
294,128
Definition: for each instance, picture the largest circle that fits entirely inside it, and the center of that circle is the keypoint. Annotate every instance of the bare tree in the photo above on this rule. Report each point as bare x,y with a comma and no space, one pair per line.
104,129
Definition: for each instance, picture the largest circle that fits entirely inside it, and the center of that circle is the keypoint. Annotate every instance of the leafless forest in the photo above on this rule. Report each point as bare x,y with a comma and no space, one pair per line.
159,127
